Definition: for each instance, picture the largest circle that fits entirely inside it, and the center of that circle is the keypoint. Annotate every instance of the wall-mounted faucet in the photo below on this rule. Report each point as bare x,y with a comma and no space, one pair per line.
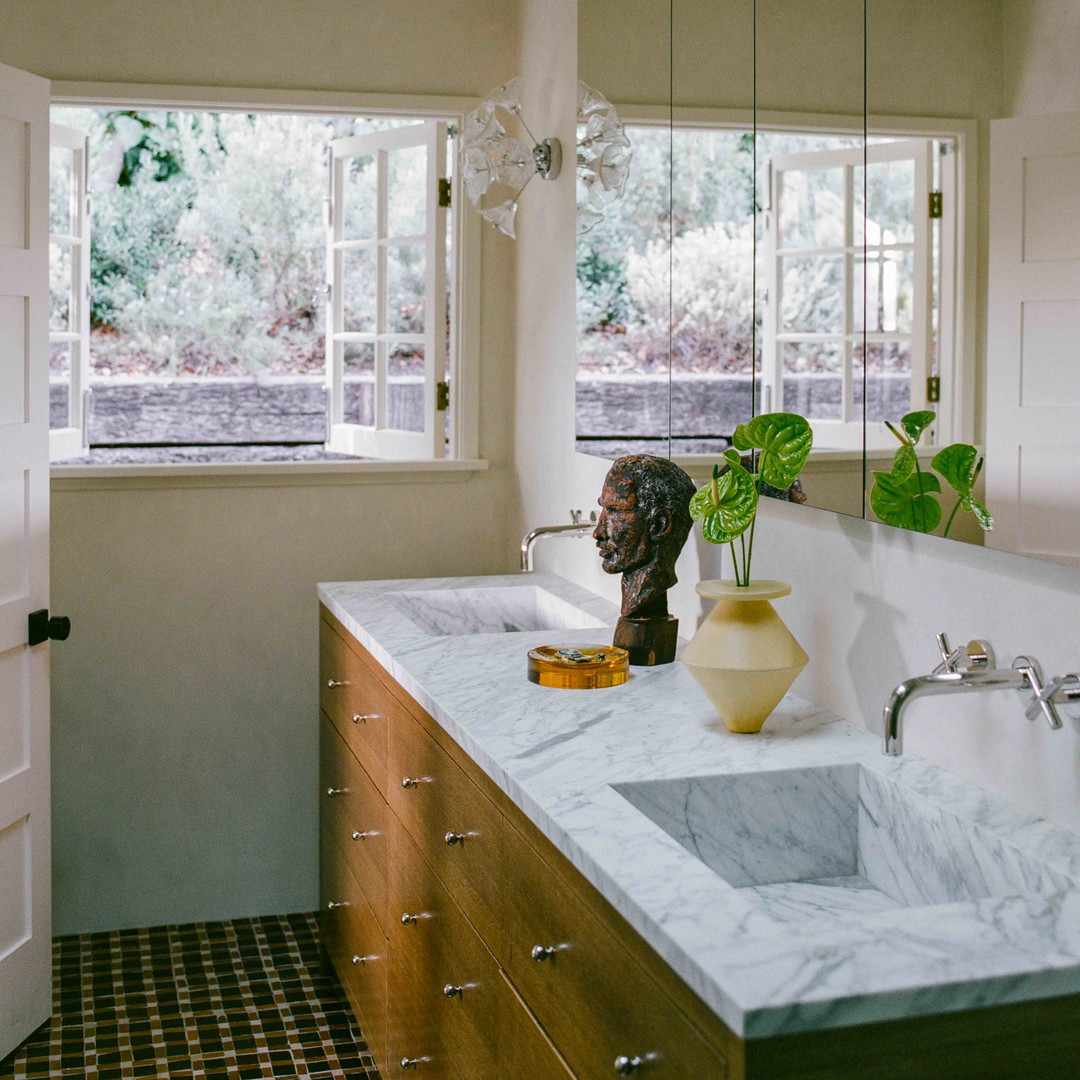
972,667
577,527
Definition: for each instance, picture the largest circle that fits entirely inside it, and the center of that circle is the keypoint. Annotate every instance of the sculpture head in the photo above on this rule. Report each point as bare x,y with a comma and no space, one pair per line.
644,522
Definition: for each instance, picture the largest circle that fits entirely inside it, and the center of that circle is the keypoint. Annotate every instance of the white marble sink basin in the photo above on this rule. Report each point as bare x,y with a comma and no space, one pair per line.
813,842
442,612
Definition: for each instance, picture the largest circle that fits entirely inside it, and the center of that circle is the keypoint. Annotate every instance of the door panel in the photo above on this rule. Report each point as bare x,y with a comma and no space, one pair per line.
25,914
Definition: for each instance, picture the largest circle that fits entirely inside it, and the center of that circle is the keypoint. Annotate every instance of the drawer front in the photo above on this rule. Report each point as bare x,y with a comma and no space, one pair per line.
356,701
458,830
530,1053
412,1041
595,1001
360,952
356,816
455,977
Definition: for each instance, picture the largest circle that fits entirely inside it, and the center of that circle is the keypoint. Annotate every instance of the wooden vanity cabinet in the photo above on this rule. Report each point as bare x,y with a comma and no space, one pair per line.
436,890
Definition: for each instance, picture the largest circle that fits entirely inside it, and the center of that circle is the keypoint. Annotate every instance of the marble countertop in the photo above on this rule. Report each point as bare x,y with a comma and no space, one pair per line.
562,757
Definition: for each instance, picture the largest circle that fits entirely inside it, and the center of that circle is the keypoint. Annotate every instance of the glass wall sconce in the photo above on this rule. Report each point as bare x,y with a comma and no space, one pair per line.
494,159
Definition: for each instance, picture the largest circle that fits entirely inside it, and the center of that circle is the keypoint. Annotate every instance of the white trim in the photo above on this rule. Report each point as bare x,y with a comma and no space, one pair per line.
262,474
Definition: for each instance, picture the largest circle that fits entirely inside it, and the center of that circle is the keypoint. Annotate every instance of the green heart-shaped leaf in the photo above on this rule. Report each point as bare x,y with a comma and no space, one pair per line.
905,503
733,456
915,423
784,440
726,505
958,466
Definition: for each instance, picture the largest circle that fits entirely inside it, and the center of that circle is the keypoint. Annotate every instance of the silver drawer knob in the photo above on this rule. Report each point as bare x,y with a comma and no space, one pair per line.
360,718
624,1065
332,791
540,953
453,838
335,683
336,904
409,781
357,835
408,920
410,1063
450,990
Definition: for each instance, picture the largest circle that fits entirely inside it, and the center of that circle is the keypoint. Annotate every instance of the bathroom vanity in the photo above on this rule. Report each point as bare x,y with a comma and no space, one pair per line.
539,884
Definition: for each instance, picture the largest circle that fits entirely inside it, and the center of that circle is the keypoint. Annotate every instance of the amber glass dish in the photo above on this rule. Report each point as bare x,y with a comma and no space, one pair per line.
578,667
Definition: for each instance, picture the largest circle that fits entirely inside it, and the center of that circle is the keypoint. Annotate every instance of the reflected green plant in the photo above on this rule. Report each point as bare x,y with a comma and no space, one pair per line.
907,496
727,505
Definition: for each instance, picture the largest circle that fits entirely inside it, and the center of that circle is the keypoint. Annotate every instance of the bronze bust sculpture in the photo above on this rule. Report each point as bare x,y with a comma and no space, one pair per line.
644,522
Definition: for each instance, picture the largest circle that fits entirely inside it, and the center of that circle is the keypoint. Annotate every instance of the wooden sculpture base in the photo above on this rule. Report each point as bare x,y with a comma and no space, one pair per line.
649,641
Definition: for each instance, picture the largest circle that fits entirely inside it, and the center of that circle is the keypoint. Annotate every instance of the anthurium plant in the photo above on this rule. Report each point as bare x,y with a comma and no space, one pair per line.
726,507
907,496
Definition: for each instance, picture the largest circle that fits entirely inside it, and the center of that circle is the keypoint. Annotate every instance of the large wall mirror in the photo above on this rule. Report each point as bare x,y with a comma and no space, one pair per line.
901,234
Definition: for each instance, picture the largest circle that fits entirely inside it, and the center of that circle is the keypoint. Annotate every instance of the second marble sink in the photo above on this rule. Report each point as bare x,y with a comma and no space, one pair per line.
835,839
442,612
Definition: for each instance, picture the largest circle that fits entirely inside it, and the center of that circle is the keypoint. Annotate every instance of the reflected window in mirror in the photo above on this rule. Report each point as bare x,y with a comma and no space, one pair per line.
665,302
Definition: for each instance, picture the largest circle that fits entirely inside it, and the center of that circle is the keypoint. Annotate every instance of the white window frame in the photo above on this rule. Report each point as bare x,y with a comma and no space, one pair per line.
956,413
70,441
849,431
379,439
464,410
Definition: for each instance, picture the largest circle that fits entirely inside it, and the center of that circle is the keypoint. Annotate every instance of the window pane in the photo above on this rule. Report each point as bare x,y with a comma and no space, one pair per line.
888,380
405,270
812,208
890,291
405,388
61,193
813,295
358,297
360,196
59,287
891,193
358,366
60,385
813,378
406,192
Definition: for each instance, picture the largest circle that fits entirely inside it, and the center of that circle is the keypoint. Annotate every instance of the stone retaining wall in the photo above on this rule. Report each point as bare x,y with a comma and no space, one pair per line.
279,409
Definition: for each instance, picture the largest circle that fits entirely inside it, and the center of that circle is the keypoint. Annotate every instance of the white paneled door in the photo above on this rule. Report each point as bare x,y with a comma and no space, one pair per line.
1033,337
25,912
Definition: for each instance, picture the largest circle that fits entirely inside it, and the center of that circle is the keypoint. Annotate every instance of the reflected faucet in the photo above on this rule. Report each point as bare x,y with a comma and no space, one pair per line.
577,527
971,667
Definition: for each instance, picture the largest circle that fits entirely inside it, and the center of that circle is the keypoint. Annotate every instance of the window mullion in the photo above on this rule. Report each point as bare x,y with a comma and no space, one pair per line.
382,298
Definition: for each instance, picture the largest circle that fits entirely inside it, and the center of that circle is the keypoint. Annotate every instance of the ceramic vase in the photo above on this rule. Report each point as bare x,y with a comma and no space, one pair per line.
743,656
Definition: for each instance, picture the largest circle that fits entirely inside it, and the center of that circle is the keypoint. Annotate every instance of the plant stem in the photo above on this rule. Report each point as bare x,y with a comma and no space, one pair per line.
920,526
734,562
948,524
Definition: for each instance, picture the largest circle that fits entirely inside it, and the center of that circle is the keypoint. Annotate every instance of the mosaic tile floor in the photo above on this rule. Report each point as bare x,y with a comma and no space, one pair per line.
243,1000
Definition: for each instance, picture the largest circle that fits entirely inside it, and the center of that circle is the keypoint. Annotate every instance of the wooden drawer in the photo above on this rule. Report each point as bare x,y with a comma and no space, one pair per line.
458,830
411,1036
456,978
358,949
356,701
593,999
355,815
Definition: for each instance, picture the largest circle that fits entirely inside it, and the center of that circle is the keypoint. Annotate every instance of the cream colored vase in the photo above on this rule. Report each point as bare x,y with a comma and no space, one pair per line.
743,656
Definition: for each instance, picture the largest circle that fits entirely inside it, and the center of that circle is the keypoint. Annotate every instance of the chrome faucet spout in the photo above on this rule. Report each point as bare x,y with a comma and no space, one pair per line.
577,527
948,682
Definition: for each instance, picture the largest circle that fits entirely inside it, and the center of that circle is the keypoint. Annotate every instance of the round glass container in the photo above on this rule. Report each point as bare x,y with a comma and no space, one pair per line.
578,667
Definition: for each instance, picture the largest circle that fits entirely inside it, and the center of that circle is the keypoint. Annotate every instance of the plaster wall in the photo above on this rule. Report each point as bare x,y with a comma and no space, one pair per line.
185,710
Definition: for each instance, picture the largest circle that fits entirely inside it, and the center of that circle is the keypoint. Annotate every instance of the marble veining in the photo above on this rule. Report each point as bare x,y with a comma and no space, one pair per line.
904,891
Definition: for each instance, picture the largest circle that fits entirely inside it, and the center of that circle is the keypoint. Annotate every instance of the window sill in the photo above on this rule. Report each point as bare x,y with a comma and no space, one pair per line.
263,474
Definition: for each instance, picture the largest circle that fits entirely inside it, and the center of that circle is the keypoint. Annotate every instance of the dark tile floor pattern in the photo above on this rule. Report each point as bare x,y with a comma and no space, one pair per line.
247,1000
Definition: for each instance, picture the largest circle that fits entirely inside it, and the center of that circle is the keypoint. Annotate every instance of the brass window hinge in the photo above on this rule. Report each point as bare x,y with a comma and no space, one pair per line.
442,396
933,389
444,192
936,209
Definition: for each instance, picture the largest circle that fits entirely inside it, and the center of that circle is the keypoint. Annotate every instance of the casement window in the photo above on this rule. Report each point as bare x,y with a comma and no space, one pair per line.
69,291
361,357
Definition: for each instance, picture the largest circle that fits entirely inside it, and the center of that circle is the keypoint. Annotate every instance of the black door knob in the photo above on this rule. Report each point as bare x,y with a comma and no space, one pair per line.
41,628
